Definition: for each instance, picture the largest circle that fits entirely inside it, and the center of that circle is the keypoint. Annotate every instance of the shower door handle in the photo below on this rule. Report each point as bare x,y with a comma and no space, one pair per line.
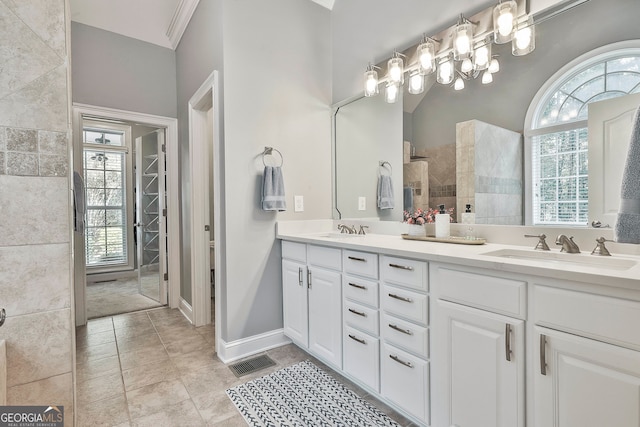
3,316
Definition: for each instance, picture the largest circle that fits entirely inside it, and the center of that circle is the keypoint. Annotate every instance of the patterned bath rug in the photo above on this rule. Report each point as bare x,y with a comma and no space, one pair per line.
303,395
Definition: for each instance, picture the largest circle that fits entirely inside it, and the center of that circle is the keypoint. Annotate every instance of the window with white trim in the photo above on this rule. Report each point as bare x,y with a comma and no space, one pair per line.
107,234
559,136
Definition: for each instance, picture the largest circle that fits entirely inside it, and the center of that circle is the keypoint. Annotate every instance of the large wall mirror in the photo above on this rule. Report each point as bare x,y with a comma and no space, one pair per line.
428,138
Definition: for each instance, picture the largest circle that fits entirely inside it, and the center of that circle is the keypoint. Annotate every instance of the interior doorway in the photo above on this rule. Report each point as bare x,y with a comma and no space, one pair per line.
130,228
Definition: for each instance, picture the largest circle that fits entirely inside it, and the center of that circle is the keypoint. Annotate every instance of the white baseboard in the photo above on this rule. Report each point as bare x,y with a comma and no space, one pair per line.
239,349
186,309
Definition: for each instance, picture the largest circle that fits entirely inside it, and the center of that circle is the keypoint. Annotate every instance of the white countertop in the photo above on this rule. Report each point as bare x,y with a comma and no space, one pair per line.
474,256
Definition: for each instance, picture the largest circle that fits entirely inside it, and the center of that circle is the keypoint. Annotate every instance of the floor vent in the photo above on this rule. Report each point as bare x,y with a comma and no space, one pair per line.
252,365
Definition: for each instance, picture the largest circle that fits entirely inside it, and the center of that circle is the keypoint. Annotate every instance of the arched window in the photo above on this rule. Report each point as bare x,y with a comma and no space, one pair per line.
557,130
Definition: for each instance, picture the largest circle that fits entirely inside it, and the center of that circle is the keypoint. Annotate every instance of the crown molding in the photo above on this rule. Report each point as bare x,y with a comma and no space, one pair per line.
325,3
180,20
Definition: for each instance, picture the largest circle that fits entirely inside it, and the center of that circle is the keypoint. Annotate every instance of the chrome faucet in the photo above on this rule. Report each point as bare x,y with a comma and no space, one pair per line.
568,245
542,244
600,248
361,231
346,229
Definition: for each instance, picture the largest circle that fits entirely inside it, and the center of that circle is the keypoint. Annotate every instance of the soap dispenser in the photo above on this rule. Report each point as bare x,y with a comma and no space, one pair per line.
468,217
443,227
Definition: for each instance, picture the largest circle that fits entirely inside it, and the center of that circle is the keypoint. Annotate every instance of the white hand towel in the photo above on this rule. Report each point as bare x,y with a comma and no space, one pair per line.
385,192
627,228
273,198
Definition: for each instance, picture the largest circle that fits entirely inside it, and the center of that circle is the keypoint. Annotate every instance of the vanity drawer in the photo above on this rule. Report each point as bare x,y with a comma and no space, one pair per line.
361,317
360,263
321,256
404,272
603,318
361,357
406,304
294,251
496,294
406,335
361,290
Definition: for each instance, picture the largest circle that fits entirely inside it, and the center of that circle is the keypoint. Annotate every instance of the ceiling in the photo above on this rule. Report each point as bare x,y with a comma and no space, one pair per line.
161,22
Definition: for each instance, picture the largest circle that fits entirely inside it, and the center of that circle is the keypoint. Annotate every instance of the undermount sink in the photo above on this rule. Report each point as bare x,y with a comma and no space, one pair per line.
337,235
561,258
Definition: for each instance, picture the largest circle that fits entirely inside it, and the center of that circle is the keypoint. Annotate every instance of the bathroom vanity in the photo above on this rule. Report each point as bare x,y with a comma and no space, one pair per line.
470,336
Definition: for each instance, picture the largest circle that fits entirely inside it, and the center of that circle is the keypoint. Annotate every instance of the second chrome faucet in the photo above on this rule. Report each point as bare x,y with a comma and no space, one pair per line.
568,245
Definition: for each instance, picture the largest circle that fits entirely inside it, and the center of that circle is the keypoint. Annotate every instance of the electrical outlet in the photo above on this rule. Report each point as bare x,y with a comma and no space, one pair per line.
298,203
362,203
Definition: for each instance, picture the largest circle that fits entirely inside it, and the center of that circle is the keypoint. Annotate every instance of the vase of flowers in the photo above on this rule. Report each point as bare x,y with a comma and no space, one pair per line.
418,218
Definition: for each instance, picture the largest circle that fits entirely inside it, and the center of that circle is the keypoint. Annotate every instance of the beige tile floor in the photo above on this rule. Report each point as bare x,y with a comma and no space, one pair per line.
153,368
122,295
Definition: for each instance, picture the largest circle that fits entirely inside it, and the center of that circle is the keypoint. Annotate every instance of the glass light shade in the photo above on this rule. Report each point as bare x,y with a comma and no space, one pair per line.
462,41
392,92
504,21
494,66
445,72
524,40
416,84
395,70
426,53
466,66
487,78
370,83
459,84
482,56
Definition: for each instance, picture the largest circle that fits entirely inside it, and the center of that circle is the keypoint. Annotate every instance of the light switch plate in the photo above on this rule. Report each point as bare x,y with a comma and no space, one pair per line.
298,203
362,203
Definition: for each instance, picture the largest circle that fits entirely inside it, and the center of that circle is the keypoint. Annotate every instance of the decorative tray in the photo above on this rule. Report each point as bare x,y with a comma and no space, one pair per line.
450,239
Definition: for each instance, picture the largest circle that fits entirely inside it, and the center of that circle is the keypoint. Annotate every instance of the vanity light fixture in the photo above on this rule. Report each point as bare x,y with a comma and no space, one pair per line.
504,21
460,52
370,81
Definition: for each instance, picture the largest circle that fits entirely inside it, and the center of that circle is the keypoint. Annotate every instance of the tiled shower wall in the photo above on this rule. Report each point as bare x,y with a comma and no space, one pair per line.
35,253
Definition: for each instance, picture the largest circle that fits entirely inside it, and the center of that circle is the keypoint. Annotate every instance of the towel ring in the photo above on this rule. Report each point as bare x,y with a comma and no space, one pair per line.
268,151
383,165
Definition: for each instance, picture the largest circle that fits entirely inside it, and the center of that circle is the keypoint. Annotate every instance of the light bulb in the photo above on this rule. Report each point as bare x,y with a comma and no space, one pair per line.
462,36
459,84
494,66
416,84
523,38
487,78
505,23
481,57
445,72
462,44
370,82
396,70
466,66
391,93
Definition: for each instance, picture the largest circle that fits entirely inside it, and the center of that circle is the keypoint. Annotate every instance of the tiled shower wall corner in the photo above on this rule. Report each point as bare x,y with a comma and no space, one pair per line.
35,252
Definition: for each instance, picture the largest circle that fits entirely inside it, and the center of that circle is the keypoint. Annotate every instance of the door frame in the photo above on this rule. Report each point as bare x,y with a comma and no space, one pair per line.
205,98
173,205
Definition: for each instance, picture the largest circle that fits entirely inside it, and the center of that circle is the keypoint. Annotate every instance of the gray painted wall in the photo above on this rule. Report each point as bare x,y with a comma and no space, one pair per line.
197,55
276,81
111,70
505,102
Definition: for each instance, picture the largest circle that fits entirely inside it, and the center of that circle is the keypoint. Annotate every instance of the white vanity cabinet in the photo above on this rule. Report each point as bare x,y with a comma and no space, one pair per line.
478,355
361,343
404,323
586,359
312,299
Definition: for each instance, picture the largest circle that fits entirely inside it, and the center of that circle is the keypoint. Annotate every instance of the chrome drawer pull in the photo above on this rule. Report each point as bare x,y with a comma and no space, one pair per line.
357,286
401,267
543,357
300,276
397,328
309,278
358,312
353,337
507,341
402,362
405,299
357,259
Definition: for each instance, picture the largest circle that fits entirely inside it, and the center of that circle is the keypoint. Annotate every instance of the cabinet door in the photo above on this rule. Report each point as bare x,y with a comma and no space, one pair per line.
294,293
584,383
325,315
478,368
